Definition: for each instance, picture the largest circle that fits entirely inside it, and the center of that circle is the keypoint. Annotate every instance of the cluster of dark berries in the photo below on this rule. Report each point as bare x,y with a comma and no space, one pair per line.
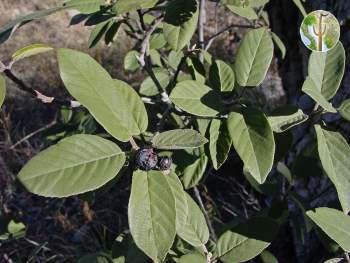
147,159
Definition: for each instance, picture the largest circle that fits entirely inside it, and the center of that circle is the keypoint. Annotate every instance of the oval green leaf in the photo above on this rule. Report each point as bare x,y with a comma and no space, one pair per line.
196,98
221,76
149,88
180,199
130,60
286,117
254,57
152,217
29,51
219,142
176,32
253,140
334,223
344,109
178,139
76,165
246,240
246,12
114,104
310,88
334,152
191,165
326,69
193,258
195,231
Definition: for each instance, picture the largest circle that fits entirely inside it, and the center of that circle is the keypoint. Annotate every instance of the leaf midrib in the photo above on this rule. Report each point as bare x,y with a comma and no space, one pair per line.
254,58
71,166
102,99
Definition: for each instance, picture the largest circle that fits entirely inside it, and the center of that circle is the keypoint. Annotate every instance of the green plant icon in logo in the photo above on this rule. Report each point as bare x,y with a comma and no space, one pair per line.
320,31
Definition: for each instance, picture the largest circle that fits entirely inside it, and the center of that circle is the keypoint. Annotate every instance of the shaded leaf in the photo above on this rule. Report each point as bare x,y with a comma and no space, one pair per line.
114,104
246,12
344,109
14,230
75,165
196,98
268,257
98,32
253,57
180,22
152,213
300,6
130,60
286,117
221,76
193,167
112,32
99,257
192,257
334,223
29,51
149,88
326,69
246,240
195,231
310,88
253,140
196,69
8,29
178,139
219,142
279,44
334,152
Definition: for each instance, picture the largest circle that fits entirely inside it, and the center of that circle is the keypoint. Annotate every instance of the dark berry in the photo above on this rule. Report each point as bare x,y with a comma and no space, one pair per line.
146,159
164,163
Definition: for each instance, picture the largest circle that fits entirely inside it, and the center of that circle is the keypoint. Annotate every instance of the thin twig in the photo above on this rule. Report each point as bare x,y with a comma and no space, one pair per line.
201,22
35,93
347,257
210,40
145,60
210,225
27,137
133,144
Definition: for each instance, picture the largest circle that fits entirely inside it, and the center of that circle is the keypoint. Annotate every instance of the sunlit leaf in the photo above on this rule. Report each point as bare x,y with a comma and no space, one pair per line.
29,51
246,240
114,104
180,22
221,76
195,230
178,139
253,140
253,57
196,98
326,69
152,217
334,152
75,165
334,223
